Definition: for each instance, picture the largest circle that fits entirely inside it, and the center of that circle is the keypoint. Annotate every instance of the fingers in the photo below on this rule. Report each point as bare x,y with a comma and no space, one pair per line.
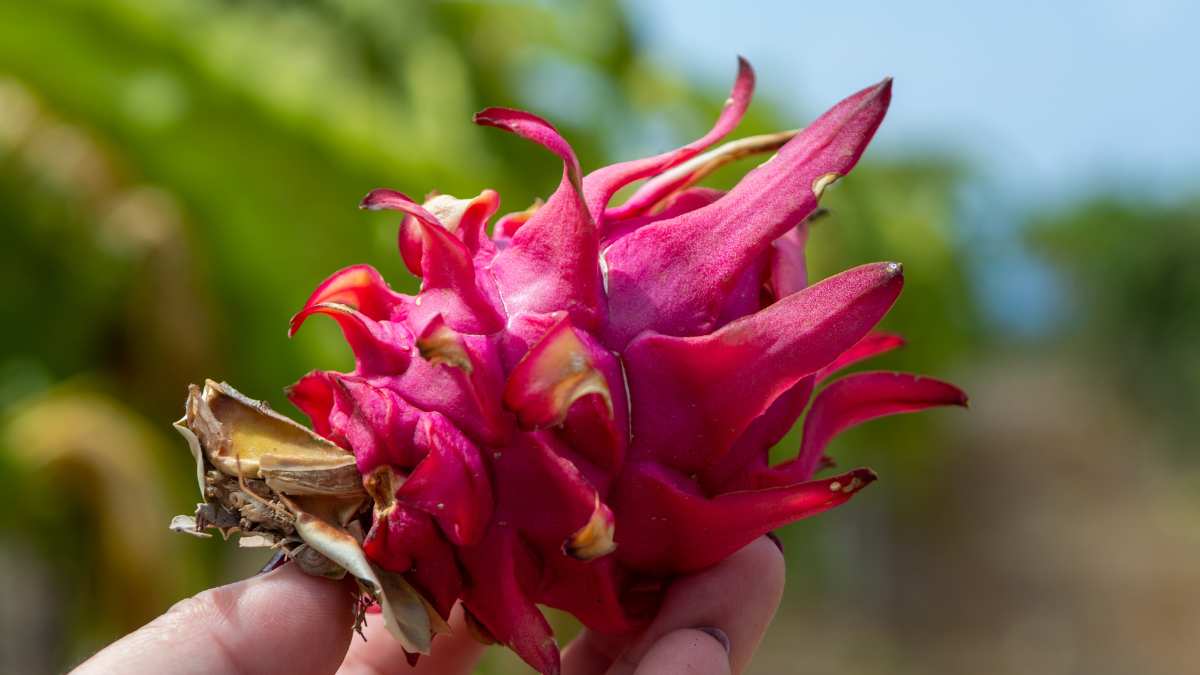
739,596
590,653
685,652
380,653
285,621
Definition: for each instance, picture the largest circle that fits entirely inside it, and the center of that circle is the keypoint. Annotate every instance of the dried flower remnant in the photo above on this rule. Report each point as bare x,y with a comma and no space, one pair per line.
570,403
280,485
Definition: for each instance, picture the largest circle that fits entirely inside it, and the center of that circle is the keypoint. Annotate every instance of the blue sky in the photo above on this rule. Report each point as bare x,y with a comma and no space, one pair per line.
1047,101
1047,98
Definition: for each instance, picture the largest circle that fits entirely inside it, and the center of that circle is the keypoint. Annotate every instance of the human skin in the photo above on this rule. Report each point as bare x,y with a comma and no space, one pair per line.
287,621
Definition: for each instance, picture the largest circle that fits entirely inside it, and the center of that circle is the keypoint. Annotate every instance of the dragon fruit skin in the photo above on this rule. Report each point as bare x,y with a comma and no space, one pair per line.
579,407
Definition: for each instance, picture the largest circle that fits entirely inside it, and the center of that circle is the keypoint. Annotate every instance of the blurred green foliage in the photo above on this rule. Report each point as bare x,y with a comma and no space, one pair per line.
176,176
1132,272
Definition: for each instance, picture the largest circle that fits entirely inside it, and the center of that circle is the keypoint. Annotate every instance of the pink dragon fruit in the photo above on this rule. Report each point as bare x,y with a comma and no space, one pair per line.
576,409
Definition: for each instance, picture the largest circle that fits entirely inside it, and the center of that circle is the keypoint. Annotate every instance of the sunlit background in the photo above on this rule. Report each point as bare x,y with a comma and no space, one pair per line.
176,176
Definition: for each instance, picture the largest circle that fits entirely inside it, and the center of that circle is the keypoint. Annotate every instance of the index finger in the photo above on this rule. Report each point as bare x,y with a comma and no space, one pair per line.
739,596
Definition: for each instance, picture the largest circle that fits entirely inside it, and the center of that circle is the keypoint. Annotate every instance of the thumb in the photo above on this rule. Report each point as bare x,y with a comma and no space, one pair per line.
284,621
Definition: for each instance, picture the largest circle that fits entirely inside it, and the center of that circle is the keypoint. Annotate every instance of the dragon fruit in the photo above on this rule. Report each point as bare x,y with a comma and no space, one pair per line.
579,407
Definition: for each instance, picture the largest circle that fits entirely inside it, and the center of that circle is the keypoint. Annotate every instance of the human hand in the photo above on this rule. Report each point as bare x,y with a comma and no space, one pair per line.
288,621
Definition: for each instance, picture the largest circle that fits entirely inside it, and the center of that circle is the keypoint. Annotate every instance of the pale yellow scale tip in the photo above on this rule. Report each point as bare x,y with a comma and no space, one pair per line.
824,181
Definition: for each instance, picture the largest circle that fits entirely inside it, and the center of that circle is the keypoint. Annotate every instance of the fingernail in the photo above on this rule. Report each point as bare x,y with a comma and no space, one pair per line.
775,540
718,635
